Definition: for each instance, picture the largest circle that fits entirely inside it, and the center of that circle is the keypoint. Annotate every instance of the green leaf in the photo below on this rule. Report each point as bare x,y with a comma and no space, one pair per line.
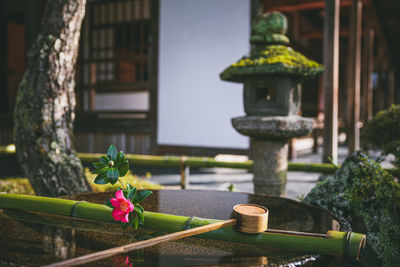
113,174
132,193
140,215
135,222
139,207
101,179
112,152
124,168
120,159
131,216
141,195
129,186
104,159
100,170
108,203
99,165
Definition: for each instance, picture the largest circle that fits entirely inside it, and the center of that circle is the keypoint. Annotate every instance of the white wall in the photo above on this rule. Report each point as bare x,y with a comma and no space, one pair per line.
199,39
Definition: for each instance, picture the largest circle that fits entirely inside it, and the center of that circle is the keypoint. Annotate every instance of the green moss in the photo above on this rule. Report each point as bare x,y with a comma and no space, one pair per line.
271,54
383,132
130,178
271,22
269,28
368,197
16,186
22,185
272,59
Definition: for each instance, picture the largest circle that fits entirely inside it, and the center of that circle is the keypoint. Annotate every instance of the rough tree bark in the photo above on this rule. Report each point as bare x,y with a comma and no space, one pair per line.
45,105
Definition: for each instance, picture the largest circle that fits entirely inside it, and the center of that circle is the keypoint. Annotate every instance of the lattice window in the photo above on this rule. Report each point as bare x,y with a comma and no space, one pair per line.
115,52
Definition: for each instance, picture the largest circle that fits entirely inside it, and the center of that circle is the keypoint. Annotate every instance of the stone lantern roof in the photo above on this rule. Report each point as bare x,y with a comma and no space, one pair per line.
271,54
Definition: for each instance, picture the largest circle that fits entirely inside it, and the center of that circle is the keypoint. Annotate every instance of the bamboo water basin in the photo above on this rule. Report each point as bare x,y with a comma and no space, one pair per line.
48,238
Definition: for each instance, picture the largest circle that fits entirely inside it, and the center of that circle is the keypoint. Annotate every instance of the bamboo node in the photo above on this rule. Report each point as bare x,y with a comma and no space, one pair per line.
187,223
74,207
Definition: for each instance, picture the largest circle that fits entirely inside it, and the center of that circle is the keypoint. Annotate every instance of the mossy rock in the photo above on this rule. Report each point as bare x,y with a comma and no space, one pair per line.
269,28
272,59
271,55
271,22
383,133
368,197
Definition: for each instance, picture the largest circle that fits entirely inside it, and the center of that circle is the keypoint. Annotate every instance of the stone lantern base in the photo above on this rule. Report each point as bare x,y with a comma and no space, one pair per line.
269,144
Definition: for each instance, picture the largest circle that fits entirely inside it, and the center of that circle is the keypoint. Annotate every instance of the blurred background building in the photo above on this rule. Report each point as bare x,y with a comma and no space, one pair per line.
148,81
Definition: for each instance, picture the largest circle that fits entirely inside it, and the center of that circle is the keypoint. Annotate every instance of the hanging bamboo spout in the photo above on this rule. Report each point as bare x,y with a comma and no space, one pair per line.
333,242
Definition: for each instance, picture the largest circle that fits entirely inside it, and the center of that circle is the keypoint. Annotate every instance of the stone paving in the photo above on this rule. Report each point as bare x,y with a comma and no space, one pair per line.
299,183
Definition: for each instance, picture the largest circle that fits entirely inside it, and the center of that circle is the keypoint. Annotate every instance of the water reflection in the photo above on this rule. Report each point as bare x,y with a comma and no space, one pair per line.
59,242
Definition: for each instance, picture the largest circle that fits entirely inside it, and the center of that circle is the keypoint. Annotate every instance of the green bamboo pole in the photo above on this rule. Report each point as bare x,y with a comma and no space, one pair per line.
9,149
172,161
336,243
198,162
204,162
325,168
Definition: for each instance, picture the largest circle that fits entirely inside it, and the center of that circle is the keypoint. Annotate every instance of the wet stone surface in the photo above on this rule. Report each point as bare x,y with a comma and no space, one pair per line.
47,239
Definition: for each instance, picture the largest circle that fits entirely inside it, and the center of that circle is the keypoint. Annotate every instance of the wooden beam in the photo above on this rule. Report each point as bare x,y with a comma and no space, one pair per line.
318,34
331,80
353,78
295,5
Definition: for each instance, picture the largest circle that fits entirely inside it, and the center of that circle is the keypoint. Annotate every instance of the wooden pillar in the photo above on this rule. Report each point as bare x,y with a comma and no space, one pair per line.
295,25
185,173
353,78
331,80
92,90
396,87
391,89
379,93
367,70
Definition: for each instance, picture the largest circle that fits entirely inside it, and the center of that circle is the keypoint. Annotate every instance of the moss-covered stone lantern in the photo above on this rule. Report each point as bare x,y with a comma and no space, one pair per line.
271,75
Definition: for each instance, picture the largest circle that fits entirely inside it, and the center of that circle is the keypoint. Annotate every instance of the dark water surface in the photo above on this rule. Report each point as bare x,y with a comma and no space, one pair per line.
46,239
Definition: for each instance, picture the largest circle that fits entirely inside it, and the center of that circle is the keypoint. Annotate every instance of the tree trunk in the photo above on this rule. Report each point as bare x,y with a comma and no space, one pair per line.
45,105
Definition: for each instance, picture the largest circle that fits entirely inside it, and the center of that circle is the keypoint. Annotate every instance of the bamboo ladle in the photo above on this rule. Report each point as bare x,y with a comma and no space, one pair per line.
248,218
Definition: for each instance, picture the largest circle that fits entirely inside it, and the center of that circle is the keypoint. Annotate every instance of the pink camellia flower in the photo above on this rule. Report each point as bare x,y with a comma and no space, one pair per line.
122,207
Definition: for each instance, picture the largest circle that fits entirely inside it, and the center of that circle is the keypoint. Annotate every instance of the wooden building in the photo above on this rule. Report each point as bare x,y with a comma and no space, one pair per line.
147,76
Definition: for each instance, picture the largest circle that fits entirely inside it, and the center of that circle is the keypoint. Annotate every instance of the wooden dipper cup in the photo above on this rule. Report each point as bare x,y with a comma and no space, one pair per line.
251,218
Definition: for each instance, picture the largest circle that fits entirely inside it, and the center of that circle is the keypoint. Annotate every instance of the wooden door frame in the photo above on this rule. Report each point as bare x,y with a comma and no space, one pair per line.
155,17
